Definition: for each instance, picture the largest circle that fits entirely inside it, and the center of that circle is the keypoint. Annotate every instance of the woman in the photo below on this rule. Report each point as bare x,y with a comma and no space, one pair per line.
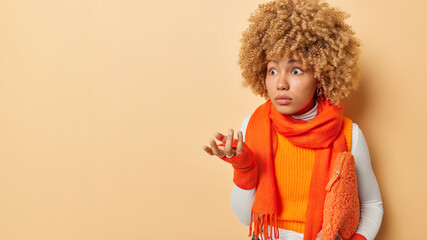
289,154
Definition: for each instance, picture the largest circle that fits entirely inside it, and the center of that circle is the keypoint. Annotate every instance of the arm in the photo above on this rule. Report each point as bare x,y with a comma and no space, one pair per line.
241,199
243,160
371,205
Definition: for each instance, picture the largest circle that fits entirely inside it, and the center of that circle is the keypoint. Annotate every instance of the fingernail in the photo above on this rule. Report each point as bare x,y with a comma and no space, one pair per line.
230,132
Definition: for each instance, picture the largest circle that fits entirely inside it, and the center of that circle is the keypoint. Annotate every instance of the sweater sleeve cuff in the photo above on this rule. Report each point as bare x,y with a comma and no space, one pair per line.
358,236
246,178
245,167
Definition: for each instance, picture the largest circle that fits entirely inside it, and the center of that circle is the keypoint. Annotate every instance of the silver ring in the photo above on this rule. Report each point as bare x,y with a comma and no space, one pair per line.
229,156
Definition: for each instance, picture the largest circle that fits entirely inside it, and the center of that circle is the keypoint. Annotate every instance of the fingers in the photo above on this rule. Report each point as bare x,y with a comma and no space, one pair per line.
220,137
229,144
208,150
215,149
227,149
239,147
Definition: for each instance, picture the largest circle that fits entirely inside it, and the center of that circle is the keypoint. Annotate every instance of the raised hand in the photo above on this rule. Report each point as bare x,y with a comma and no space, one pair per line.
238,154
225,149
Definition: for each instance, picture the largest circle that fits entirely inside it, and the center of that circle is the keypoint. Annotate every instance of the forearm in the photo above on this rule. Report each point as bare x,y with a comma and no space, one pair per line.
370,219
241,203
243,199
371,205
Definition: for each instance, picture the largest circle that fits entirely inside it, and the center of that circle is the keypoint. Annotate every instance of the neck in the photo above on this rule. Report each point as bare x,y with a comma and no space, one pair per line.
307,115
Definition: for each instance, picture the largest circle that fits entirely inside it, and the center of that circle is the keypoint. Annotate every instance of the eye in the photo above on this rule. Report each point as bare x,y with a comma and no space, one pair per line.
273,71
297,71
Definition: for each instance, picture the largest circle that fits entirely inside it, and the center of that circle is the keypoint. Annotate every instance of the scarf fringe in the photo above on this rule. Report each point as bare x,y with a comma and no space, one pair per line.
261,222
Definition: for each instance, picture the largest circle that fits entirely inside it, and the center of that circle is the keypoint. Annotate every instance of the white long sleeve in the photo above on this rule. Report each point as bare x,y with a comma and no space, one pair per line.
371,205
241,199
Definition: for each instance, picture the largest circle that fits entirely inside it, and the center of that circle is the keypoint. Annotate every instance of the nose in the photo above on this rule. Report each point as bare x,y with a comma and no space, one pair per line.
282,83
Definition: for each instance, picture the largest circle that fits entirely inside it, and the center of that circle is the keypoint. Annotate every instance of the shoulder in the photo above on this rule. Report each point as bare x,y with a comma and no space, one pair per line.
260,112
245,125
357,135
359,148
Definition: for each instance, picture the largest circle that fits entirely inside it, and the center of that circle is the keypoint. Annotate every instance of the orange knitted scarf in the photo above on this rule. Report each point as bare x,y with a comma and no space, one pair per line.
323,134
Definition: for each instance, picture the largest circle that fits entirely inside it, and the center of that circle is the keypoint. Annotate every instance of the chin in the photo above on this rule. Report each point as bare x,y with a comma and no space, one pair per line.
286,110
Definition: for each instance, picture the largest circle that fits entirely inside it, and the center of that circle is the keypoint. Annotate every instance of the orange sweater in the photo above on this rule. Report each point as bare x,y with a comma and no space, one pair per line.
293,169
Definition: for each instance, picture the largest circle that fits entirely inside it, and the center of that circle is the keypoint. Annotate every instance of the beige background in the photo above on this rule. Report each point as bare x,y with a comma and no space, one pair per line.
105,106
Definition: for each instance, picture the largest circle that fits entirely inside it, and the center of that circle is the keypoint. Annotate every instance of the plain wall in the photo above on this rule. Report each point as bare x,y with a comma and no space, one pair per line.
104,107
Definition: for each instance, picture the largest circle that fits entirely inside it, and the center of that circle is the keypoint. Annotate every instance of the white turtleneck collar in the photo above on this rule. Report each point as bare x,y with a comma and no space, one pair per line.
309,115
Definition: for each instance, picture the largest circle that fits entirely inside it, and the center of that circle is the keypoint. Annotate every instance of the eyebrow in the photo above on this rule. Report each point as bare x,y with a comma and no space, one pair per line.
290,61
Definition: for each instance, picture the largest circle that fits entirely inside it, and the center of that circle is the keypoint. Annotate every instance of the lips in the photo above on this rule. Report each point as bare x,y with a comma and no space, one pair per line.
283,100
283,97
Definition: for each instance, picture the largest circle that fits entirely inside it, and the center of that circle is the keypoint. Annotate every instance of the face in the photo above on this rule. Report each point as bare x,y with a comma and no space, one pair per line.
290,87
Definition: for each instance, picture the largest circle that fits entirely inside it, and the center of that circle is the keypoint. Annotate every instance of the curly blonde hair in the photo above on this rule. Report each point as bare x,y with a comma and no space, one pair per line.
308,31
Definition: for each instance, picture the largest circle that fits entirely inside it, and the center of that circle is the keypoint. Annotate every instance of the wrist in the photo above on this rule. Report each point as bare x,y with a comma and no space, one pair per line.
245,168
246,178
